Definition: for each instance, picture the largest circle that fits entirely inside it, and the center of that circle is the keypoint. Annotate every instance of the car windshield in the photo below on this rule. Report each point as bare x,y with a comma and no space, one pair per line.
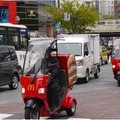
70,48
34,59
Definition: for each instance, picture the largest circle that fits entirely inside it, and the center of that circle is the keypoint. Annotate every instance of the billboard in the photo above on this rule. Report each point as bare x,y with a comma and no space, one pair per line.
32,13
4,14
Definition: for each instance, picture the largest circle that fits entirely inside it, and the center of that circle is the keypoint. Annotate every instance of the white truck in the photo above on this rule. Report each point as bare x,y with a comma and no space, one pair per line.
86,48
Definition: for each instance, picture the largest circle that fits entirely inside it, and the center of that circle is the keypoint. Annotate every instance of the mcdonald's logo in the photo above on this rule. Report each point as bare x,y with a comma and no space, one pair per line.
30,87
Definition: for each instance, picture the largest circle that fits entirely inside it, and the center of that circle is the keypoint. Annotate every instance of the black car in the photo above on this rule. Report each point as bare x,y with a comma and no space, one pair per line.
9,68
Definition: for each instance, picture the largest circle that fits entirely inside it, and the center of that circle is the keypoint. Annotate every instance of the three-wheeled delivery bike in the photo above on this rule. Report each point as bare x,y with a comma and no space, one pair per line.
115,60
35,80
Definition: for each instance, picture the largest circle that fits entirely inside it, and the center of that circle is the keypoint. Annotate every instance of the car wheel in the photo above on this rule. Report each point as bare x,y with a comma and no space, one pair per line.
14,82
86,79
118,83
71,111
106,62
101,61
97,74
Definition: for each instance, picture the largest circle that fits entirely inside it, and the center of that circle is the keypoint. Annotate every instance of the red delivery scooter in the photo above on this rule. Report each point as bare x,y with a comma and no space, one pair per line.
115,60
36,78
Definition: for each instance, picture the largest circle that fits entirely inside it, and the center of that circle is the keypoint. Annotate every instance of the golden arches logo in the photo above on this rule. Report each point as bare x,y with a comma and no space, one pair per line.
30,87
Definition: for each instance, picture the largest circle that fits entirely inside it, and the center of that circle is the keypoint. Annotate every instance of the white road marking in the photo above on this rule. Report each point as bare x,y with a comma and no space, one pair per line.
78,119
45,118
2,116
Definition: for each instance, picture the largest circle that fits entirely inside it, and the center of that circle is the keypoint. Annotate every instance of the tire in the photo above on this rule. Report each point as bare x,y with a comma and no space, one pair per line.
118,79
86,79
97,74
101,61
118,83
31,114
14,82
71,111
106,62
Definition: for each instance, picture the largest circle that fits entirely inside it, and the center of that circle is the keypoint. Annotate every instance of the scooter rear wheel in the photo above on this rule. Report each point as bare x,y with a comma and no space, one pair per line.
32,114
71,111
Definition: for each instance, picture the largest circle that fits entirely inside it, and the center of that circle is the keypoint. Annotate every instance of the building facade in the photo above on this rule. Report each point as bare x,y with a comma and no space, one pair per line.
28,14
107,7
117,7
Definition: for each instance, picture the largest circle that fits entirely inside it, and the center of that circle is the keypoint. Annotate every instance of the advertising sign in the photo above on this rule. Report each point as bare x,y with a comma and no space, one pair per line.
4,15
32,13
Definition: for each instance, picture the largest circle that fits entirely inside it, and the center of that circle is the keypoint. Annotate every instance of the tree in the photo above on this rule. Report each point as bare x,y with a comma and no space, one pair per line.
82,16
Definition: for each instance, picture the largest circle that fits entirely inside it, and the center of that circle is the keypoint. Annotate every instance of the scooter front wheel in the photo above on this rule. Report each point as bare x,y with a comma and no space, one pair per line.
32,114
71,111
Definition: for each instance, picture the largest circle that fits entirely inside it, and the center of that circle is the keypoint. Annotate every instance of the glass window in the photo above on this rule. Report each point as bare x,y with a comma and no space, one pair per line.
70,48
13,38
117,53
4,55
13,54
3,36
1,40
23,37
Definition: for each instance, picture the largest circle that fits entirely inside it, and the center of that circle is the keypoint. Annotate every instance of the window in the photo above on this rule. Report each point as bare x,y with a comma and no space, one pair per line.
14,37
13,54
23,38
70,48
4,55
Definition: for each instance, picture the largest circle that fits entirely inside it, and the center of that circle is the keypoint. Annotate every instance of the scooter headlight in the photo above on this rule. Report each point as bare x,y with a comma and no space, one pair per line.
23,90
113,66
41,90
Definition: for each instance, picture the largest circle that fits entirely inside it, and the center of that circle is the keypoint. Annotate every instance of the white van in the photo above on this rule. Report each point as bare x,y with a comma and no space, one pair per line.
86,48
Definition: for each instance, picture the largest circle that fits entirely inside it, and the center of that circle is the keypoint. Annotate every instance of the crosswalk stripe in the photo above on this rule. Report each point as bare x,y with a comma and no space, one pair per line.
2,116
78,119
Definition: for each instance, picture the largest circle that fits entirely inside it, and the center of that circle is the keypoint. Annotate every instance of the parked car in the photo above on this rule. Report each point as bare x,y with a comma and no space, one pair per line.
103,55
9,68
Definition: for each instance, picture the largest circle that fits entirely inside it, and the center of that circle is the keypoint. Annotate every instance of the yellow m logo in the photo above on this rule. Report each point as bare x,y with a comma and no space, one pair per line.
30,87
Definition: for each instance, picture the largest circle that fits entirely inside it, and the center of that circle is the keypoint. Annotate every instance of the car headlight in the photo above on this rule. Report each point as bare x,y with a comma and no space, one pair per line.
79,62
41,90
23,90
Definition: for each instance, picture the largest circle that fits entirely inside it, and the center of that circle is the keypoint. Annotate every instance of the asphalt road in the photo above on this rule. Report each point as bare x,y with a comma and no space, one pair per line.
97,99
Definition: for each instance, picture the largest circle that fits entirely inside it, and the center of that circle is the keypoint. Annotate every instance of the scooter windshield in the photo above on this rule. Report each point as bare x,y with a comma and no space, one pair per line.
34,59
117,53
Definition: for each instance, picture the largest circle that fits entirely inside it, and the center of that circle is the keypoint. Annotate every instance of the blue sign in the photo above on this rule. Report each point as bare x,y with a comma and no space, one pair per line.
4,15
57,25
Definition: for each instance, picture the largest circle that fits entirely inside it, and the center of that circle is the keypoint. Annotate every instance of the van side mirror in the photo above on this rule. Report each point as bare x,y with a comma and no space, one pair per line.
113,56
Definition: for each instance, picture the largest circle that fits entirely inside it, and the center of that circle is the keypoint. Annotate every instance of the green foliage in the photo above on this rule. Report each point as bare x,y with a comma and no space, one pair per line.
81,16
110,16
